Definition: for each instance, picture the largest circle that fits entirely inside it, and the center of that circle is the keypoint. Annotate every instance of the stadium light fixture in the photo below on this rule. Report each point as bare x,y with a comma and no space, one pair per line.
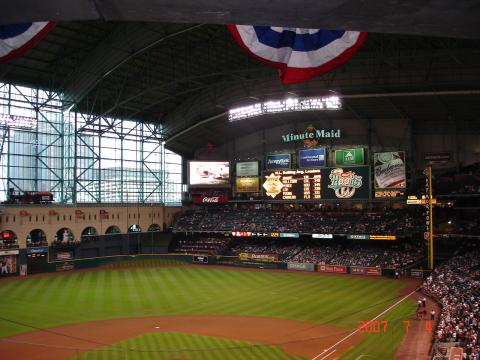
289,104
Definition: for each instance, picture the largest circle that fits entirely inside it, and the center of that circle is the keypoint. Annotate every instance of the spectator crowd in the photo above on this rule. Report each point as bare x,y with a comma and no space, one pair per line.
456,286
227,218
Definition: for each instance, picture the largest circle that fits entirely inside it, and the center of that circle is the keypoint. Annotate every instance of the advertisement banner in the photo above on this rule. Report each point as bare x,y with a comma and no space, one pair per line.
322,236
300,266
247,184
8,265
311,158
371,271
416,273
247,168
37,250
201,259
346,157
389,170
338,269
278,161
437,158
209,173
346,183
209,196
9,252
64,267
64,255
258,257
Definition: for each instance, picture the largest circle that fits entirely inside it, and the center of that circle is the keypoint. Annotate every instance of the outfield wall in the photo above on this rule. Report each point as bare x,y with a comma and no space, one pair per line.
232,261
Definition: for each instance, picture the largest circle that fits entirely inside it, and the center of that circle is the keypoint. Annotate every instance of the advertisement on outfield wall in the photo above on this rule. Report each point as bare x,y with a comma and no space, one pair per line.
371,271
209,174
338,269
64,255
300,266
258,257
247,184
278,162
346,183
247,168
389,170
8,264
347,157
311,158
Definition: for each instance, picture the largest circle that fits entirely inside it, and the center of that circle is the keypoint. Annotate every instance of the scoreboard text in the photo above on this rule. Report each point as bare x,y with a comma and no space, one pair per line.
299,184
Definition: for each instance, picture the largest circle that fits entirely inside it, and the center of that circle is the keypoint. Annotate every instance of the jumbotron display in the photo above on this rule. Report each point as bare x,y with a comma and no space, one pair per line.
300,184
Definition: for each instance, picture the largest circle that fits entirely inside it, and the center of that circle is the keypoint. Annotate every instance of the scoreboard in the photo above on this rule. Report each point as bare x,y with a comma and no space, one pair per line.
299,184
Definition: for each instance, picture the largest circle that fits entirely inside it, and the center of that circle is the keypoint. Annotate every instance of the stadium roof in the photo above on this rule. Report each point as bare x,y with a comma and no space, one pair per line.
420,62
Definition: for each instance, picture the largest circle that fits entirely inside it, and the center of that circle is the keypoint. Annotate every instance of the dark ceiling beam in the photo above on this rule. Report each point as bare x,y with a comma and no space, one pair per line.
438,18
122,45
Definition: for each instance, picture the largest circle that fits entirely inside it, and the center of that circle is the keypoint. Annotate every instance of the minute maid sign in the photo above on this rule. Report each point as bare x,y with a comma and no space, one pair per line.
311,134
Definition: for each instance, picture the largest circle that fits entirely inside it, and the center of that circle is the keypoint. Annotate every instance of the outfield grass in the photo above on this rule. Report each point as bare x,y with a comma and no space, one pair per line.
172,345
88,296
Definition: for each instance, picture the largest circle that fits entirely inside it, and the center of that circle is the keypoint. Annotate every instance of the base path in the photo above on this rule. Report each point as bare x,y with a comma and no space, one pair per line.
295,337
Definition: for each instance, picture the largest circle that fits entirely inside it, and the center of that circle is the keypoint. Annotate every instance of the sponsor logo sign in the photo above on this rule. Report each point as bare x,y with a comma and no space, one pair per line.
247,184
312,158
290,235
416,273
346,157
383,237
311,135
209,197
300,266
322,236
437,158
247,168
64,255
358,237
389,170
9,252
36,250
278,161
200,259
365,271
389,194
258,257
346,183
339,269
64,267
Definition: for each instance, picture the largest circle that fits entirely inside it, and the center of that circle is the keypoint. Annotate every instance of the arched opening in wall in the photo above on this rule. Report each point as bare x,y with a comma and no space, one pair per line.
154,227
134,228
112,230
36,237
64,236
8,240
89,234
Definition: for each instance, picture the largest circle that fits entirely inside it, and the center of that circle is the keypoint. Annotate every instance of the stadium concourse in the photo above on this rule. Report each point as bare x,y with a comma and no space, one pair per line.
176,187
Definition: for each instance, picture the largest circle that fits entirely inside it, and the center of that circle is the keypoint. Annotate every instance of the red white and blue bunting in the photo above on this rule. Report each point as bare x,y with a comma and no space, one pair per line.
16,39
299,54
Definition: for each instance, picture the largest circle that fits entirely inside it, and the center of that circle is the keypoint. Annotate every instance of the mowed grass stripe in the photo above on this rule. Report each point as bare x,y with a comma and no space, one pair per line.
194,347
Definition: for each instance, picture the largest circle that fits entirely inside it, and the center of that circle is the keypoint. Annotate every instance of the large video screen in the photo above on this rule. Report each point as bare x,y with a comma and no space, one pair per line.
209,174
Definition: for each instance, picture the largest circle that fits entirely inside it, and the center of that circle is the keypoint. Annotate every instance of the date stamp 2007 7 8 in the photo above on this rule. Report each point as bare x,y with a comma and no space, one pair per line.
381,326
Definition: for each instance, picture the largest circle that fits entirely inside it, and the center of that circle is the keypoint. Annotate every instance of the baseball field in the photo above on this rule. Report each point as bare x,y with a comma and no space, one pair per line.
200,312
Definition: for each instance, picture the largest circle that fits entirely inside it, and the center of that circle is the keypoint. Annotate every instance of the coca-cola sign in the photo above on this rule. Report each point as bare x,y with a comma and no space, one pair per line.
210,198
